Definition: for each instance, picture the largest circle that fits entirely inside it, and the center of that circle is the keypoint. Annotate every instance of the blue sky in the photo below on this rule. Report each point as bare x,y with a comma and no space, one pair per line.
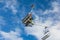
46,13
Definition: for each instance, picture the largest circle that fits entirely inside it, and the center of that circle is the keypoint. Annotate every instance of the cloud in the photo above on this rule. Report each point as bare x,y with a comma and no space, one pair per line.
38,27
55,32
56,7
11,35
10,4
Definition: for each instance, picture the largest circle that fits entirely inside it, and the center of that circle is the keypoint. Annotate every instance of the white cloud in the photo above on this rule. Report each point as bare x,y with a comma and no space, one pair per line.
11,35
55,8
55,32
11,4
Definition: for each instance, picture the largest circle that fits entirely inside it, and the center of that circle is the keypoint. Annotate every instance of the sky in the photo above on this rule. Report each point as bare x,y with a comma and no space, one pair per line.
45,13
